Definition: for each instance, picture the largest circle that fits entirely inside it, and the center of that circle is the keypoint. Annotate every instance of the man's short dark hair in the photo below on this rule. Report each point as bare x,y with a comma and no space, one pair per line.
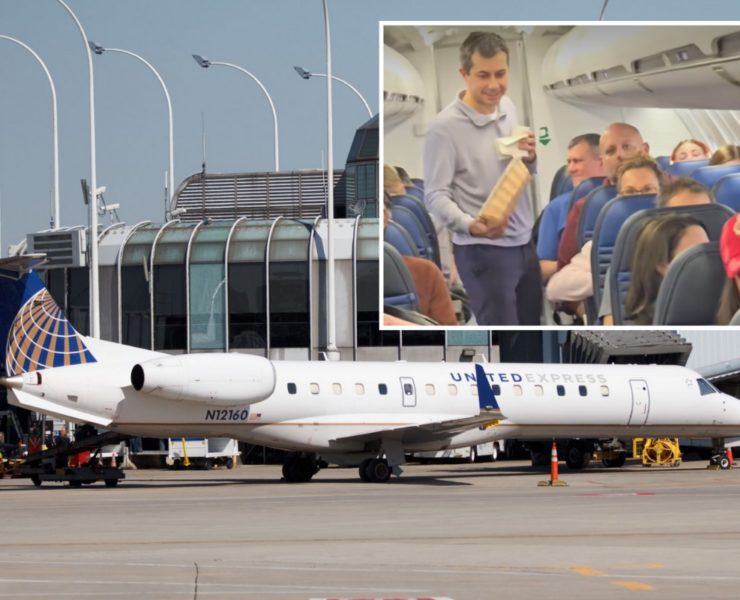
485,43
682,184
592,139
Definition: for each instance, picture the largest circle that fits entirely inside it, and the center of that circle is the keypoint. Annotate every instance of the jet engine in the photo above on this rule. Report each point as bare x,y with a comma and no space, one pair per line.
213,379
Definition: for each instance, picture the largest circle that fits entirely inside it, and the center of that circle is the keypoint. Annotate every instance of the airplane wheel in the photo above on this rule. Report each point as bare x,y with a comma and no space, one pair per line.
616,462
378,471
576,458
111,482
229,463
299,470
724,462
473,455
75,484
363,470
36,480
287,468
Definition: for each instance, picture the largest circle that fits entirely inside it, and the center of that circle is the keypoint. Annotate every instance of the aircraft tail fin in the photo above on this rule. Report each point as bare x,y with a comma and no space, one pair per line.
486,397
34,333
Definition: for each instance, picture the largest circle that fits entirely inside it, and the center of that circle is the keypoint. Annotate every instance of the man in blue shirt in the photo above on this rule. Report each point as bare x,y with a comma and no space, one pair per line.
497,262
584,162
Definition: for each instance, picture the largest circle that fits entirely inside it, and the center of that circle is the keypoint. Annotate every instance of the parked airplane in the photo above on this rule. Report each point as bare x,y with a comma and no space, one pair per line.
369,414
670,84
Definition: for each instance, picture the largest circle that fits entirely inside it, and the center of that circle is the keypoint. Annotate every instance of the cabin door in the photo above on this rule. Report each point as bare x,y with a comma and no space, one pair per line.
409,391
640,403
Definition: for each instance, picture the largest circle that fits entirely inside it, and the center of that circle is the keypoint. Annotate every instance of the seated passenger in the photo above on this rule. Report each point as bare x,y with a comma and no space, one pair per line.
618,143
637,175
682,191
434,298
729,249
660,240
689,150
583,162
392,183
726,155
404,176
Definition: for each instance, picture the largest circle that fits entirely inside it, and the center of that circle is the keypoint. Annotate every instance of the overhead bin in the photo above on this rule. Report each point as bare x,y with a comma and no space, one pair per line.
403,88
655,66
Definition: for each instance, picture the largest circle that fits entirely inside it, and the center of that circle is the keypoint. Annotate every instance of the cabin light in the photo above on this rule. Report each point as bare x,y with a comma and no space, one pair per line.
682,55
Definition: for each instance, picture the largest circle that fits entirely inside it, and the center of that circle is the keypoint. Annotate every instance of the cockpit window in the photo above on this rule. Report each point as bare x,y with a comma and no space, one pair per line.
705,388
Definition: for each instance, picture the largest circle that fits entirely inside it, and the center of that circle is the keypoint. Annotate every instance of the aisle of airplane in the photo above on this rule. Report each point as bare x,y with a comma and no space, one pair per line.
635,189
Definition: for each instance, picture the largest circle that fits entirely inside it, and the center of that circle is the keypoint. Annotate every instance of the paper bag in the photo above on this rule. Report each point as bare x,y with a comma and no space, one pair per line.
506,193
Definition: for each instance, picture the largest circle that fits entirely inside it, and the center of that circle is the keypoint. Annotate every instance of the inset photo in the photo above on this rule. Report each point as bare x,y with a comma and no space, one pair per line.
549,174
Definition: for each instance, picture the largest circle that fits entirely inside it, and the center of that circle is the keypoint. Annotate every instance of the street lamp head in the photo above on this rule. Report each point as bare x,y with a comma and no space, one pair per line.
302,73
95,48
202,61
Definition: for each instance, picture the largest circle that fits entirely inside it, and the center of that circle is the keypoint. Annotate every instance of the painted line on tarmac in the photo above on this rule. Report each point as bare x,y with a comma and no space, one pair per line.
634,586
339,589
621,494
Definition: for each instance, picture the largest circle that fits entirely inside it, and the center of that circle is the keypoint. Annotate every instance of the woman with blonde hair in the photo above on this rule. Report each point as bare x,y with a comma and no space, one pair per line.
392,184
726,155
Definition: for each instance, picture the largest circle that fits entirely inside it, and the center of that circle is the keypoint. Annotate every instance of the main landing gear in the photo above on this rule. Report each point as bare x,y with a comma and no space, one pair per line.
300,467
375,470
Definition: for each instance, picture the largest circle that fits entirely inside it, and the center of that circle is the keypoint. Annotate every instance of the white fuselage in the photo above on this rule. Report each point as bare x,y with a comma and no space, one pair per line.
339,407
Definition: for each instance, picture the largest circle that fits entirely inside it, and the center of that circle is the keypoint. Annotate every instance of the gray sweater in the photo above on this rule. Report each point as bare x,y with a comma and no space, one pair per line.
462,166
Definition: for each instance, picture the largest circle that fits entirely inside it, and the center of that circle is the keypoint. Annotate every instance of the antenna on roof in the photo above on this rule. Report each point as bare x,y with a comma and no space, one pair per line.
203,135
603,10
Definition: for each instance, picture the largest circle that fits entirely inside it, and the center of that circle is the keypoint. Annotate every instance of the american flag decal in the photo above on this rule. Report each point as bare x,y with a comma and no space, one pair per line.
254,416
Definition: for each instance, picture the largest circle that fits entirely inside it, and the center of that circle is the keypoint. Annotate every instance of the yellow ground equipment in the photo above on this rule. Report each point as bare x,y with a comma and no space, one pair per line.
659,452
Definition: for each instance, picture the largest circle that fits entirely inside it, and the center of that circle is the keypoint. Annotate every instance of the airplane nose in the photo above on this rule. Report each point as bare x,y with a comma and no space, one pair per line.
15,382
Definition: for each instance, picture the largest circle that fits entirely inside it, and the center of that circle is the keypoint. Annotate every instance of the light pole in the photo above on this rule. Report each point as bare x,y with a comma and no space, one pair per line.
603,10
205,63
55,216
331,346
94,275
99,50
307,75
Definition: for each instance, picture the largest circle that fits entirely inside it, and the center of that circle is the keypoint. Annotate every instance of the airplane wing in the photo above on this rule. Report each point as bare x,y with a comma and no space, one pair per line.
432,427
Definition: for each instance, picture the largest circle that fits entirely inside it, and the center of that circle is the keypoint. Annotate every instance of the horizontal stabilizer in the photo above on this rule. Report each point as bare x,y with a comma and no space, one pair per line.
17,266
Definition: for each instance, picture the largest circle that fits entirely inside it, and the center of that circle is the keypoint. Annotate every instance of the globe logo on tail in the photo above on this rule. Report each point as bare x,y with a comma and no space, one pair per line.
41,337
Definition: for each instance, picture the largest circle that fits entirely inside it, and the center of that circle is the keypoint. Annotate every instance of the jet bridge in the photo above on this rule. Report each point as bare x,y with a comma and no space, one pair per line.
626,347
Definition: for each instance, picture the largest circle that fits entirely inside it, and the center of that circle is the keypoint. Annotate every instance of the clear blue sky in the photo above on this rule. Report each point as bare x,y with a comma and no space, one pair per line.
267,37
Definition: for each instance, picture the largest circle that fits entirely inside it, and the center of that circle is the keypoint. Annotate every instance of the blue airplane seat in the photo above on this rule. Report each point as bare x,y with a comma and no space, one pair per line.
558,181
727,191
595,201
566,185
418,183
398,286
406,219
584,188
606,232
400,239
686,168
415,192
417,207
691,289
712,216
663,162
709,176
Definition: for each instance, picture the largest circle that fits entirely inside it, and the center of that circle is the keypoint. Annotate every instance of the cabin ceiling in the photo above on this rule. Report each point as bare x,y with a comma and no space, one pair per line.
413,38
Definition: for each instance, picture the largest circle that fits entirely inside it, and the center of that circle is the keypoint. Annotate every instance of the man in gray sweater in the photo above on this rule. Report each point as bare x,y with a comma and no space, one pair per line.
497,262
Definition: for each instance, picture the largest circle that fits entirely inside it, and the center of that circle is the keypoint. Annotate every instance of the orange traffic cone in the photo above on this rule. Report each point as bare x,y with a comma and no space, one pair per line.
113,460
729,456
553,471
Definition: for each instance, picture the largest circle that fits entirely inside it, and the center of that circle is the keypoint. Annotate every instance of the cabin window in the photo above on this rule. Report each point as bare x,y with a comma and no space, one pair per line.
705,388
383,389
561,390
359,389
291,388
517,390
452,389
474,389
604,390
337,387
314,388
496,389
582,390
538,391
430,389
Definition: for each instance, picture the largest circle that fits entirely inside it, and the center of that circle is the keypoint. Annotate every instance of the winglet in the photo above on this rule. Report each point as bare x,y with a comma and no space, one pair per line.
486,396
